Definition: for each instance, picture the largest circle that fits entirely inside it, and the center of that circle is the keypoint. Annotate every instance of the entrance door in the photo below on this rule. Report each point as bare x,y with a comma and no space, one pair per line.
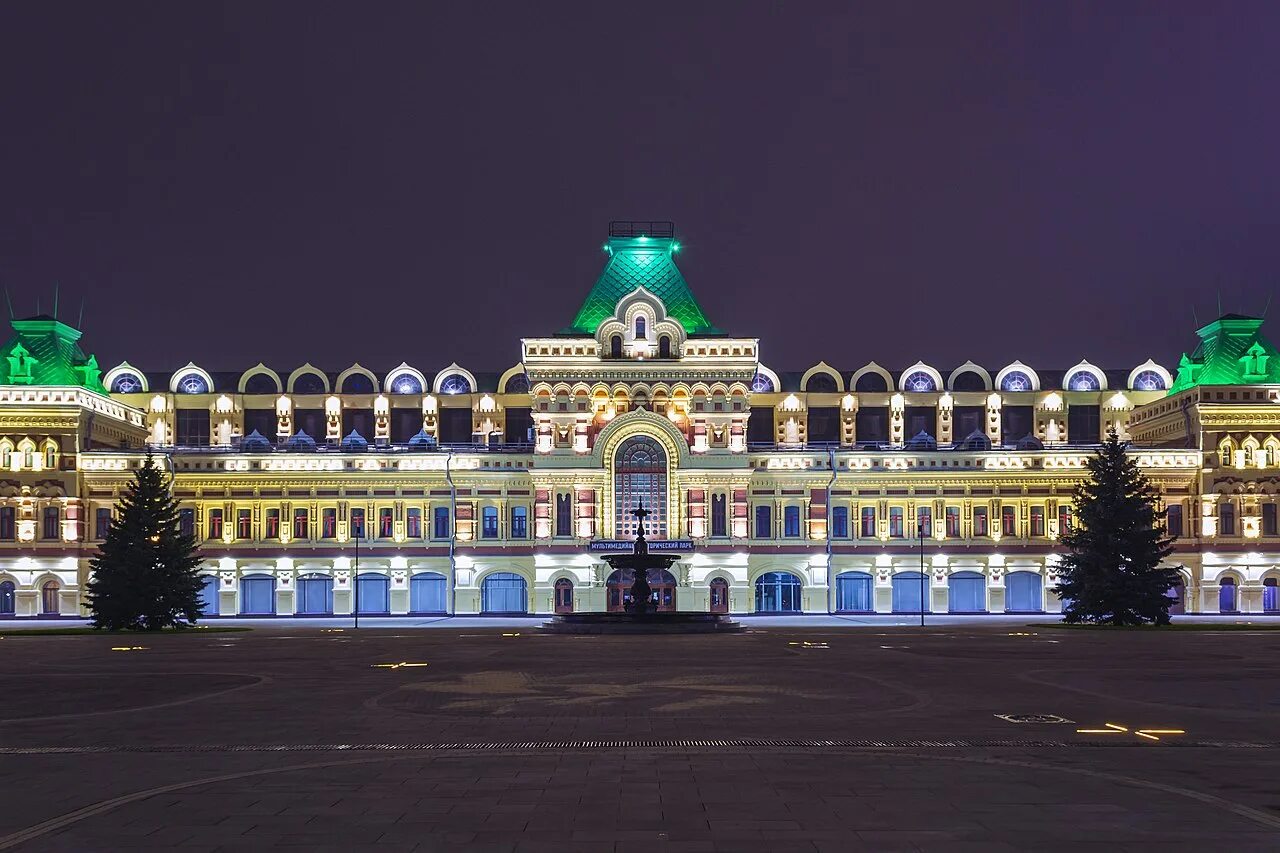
564,596
209,595
719,595
662,586
1177,599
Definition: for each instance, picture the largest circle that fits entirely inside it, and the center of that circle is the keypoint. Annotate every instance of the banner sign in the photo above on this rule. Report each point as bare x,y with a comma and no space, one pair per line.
656,546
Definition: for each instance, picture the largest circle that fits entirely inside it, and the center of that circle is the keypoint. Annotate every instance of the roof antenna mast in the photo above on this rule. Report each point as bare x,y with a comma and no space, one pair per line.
1267,306
56,285
9,301
80,319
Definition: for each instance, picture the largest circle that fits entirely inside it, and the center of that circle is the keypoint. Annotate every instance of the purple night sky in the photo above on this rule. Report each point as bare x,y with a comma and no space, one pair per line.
428,182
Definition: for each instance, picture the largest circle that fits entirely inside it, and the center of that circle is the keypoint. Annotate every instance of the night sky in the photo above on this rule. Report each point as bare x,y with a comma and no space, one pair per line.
428,182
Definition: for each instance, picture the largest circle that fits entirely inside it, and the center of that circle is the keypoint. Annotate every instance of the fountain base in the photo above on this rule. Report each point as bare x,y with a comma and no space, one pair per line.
647,623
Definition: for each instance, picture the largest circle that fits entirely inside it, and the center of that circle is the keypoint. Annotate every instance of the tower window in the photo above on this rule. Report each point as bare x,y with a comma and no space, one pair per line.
641,332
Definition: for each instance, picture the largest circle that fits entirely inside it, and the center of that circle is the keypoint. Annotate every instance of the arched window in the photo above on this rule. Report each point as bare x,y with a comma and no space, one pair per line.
308,383
762,384
28,458
192,383
778,592
257,595
6,457
641,331
1270,596
1083,380
1247,447
640,478
50,457
966,592
564,596
504,592
615,346
910,592
1015,380
854,593
1023,593
314,594
8,598
518,384
428,593
1148,380
406,383
455,383
821,383
919,381
126,383
357,383
49,598
260,383
970,380
664,347
871,383
1226,452
374,593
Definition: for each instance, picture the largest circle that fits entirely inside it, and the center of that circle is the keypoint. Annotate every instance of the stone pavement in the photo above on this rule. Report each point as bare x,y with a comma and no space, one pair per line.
505,740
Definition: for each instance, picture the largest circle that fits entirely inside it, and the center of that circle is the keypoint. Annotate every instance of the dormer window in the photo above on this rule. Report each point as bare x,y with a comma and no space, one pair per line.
641,333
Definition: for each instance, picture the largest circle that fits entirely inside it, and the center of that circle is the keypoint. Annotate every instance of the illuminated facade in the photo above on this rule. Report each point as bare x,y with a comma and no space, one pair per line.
823,490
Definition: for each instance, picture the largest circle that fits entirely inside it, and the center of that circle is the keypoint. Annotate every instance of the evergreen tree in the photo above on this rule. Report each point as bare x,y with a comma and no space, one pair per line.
1111,573
144,574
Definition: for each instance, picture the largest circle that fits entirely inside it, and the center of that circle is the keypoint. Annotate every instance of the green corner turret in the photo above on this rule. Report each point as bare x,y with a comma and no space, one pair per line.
1232,351
641,254
46,351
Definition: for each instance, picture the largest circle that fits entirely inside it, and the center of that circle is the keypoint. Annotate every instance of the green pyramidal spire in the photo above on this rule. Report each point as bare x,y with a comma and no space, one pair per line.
46,351
641,254
1232,351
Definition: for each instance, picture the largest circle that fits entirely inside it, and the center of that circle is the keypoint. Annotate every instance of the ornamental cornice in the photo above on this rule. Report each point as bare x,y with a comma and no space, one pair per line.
652,376
40,421
1253,418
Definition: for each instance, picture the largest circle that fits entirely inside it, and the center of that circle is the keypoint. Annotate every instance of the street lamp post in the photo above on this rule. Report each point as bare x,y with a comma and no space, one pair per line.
923,578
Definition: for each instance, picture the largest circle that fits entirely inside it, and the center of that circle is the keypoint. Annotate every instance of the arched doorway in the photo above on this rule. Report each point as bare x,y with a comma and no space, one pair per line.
315,595
257,595
719,595
1270,596
564,596
910,590
8,598
662,586
640,477
778,592
374,594
966,592
1023,593
427,593
1177,598
855,593
209,595
504,592
49,598
1228,602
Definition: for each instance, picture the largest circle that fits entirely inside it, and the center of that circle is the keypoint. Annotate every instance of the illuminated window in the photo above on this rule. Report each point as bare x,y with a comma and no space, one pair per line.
640,328
764,521
868,529
386,523
1064,519
357,524
519,523
440,523
50,458
1037,521
455,383
895,522
215,524
357,383
762,384
301,524
1008,521
840,522
244,524
919,381
1015,380
1083,380
192,383
126,383
272,529
406,383
791,521
413,522
329,523
640,479
489,522
924,521
953,521
1148,380
979,521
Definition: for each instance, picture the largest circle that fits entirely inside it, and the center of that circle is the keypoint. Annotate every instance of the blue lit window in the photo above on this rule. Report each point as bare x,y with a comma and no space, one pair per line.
126,383
762,384
1083,380
791,521
455,383
1015,380
919,381
1148,380
406,383
193,383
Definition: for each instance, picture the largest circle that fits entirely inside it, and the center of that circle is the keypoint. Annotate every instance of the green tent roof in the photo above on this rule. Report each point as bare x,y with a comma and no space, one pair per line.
647,262
45,351
1232,351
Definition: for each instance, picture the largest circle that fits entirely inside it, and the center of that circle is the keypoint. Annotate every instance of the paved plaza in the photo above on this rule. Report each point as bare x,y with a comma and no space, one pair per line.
793,736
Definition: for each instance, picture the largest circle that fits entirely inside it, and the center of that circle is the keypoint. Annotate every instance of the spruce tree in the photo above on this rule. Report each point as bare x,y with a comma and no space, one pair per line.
144,574
1111,573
